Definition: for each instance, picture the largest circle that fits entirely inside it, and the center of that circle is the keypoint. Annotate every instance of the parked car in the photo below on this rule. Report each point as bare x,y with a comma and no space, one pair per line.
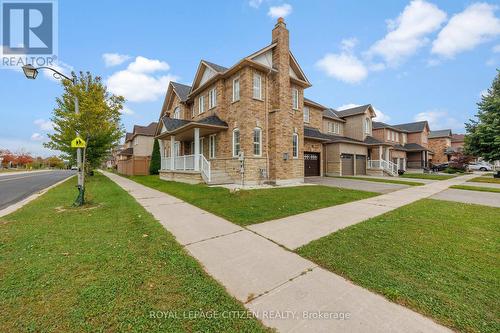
74,167
481,166
440,167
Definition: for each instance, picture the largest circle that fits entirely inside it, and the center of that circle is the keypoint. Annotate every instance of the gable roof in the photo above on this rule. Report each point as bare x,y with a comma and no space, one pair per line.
128,136
215,67
417,126
379,124
440,134
182,90
354,111
332,114
313,103
171,124
145,130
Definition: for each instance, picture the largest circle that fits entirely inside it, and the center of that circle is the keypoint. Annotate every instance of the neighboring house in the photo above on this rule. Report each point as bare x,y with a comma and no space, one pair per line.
250,123
458,142
440,144
135,156
409,143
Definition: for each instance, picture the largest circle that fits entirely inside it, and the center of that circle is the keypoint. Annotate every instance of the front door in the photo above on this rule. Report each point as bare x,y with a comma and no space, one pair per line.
311,164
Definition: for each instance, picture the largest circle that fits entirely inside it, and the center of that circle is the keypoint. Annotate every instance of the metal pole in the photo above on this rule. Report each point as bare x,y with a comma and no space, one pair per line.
80,200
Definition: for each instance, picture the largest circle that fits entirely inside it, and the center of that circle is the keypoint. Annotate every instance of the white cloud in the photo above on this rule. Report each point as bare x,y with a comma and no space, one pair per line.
475,25
255,3
127,111
37,137
137,84
496,48
114,59
280,11
145,65
380,116
348,44
344,66
408,32
439,119
44,125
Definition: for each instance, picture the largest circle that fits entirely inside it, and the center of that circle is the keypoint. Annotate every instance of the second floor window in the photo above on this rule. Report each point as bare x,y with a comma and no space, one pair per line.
192,111
236,89
368,126
388,135
177,113
212,98
257,86
295,145
404,138
306,114
295,98
201,104
257,141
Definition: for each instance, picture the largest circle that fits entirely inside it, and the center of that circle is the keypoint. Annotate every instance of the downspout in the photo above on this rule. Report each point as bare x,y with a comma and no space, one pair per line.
267,123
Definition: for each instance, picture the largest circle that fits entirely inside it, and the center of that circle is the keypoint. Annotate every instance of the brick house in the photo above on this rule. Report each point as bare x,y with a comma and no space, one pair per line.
440,143
251,124
135,156
409,143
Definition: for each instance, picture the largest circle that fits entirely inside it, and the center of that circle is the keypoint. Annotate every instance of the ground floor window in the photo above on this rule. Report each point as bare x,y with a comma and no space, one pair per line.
236,142
211,145
295,145
257,141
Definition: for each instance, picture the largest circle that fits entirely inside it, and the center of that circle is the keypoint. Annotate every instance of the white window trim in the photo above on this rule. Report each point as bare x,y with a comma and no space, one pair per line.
177,113
234,142
259,77
211,146
295,98
260,141
295,151
212,98
192,111
308,118
236,98
201,104
388,135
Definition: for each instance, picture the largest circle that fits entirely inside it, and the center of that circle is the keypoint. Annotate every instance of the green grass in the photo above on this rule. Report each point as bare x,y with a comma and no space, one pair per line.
102,268
439,258
476,188
485,179
246,207
379,180
427,176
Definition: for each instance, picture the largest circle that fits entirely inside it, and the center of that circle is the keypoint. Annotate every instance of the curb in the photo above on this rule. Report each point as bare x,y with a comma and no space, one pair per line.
15,206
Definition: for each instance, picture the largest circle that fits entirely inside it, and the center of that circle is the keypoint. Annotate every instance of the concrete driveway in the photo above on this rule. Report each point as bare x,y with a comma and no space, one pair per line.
472,197
355,184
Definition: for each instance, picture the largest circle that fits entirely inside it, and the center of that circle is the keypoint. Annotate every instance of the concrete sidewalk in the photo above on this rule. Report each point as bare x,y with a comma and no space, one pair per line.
469,196
284,290
295,231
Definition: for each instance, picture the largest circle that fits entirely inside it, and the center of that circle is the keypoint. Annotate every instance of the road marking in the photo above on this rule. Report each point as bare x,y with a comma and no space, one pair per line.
6,180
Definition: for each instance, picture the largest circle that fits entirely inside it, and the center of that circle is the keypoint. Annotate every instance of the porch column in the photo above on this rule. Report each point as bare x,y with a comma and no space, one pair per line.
162,154
423,159
398,164
380,157
172,152
197,149
404,163
387,157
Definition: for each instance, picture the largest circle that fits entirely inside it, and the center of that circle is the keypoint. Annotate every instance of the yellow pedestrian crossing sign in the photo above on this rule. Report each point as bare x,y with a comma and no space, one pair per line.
78,143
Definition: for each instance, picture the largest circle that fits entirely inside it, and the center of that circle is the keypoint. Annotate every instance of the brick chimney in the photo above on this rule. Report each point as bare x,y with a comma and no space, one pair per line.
281,62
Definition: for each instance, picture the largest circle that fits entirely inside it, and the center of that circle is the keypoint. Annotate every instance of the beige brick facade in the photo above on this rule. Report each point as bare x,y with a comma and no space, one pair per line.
438,146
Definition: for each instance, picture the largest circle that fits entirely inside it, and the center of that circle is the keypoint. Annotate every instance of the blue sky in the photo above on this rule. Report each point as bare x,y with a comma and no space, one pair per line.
409,59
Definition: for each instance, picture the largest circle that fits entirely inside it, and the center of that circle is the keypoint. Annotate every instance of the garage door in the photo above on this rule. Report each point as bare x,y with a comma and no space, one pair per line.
360,164
311,164
347,164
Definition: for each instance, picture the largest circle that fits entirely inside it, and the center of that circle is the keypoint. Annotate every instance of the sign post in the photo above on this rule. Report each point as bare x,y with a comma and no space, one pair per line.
79,144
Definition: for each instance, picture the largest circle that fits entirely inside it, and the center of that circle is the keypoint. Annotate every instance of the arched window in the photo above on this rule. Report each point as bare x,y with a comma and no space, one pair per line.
295,145
257,141
236,142
177,113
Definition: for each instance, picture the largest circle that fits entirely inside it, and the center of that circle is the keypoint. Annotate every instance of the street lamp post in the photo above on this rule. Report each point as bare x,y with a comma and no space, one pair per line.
31,73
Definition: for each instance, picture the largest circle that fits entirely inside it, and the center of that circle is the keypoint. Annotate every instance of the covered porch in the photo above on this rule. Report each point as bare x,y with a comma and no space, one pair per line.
183,148
418,156
382,159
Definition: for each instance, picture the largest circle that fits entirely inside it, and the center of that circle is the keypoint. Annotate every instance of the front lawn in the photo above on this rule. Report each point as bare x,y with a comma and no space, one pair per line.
437,257
485,179
246,207
380,180
476,188
427,176
106,267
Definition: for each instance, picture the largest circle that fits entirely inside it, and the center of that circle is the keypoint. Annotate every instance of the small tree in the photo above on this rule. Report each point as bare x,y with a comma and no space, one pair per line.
98,120
483,134
155,164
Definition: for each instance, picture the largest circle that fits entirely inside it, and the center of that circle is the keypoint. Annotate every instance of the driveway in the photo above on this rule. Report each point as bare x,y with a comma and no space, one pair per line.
355,184
472,197
15,187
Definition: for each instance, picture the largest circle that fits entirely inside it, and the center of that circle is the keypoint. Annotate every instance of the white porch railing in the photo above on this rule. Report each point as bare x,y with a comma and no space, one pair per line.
187,163
388,166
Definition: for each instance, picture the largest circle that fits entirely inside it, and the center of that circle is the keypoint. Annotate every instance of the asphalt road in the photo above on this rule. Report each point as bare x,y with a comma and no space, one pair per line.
14,188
